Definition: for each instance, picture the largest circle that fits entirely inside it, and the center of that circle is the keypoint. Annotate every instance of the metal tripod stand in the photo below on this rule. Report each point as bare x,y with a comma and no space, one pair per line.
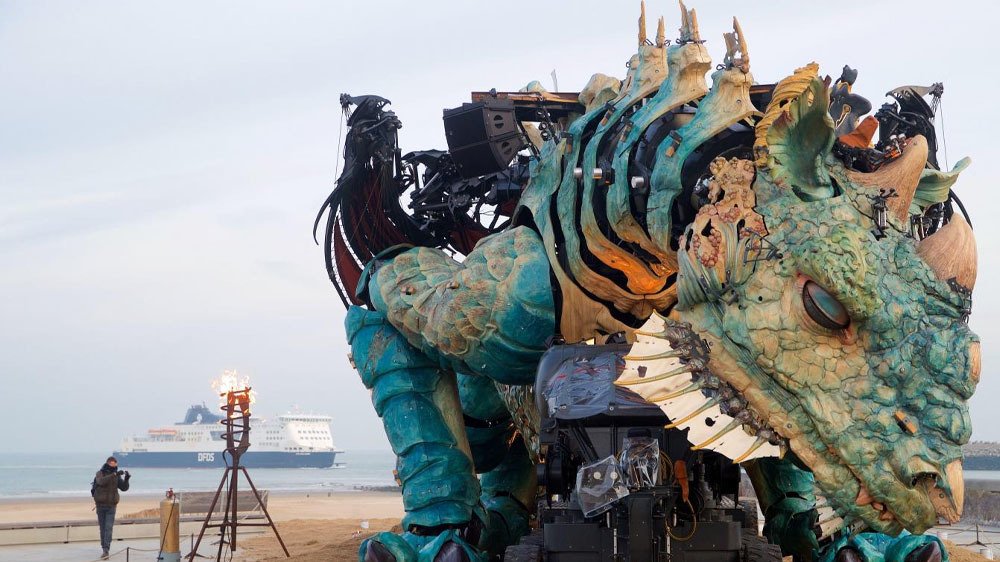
237,435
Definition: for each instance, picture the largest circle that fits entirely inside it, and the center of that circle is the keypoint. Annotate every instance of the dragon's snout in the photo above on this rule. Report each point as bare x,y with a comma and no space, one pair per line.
943,486
946,494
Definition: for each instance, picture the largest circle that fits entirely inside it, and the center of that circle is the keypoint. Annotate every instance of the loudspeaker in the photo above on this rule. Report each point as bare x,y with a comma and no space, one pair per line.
483,137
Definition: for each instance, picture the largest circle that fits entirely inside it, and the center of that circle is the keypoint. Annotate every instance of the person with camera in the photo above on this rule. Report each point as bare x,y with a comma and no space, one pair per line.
108,481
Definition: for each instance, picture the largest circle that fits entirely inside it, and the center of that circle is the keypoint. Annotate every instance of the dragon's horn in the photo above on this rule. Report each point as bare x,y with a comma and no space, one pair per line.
684,18
744,51
902,174
642,23
951,252
735,43
661,34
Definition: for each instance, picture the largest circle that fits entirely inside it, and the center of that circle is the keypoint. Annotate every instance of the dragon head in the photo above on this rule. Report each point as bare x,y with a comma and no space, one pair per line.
847,335
835,333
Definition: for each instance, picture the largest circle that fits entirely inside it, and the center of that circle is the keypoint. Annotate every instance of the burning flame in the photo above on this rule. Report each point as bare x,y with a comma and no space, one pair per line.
230,385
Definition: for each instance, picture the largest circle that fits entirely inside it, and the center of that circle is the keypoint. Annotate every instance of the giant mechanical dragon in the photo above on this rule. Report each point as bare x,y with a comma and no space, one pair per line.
796,296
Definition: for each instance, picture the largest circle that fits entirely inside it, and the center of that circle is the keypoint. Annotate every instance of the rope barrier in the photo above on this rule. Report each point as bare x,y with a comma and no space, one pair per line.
126,551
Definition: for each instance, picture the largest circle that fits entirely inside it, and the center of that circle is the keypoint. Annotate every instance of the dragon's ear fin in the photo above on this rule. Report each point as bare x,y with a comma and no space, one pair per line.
668,367
689,25
934,185
796,134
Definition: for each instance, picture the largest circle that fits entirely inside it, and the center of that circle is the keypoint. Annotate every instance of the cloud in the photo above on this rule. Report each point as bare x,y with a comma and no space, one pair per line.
161,164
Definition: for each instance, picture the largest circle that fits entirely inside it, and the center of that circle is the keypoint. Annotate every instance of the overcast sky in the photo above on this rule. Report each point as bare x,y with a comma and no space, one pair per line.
161,164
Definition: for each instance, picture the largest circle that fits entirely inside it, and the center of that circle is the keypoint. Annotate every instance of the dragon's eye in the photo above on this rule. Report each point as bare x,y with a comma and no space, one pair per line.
824,308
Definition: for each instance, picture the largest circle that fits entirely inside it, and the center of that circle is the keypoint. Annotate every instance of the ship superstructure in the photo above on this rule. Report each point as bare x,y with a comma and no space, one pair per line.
292,440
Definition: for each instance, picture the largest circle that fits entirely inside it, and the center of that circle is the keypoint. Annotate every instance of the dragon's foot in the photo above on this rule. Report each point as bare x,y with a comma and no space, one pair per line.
507,521
878,547
930,552
448,546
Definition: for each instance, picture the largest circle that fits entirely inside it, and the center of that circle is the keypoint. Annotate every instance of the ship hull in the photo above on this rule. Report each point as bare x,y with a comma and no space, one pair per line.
211,459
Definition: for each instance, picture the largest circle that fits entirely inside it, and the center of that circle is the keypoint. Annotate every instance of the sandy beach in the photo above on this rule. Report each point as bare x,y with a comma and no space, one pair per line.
326,527
281,506
314,526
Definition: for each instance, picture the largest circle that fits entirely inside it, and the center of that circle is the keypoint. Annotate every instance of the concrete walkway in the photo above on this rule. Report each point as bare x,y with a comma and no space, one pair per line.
82,551
129,550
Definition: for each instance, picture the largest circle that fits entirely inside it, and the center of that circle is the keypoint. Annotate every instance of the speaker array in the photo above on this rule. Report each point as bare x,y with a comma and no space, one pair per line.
483,137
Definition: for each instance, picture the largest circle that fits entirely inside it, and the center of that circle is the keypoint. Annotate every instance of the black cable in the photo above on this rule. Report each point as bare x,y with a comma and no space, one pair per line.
953,197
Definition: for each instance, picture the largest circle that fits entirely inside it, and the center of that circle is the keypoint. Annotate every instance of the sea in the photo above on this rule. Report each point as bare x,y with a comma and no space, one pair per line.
56,475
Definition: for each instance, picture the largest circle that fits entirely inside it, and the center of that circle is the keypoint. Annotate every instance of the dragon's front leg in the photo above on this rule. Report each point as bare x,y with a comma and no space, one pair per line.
786,493
419,406
430,317
499,454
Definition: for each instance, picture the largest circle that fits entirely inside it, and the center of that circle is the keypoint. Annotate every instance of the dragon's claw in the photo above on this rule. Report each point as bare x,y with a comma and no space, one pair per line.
930,552
386,547
449,546
452,552
849,554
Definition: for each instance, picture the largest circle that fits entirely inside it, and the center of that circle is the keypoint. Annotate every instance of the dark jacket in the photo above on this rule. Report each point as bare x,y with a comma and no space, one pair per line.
107,485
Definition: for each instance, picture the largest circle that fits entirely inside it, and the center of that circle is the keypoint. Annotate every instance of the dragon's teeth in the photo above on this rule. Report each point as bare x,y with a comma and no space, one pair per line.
826,514
864,497
830,526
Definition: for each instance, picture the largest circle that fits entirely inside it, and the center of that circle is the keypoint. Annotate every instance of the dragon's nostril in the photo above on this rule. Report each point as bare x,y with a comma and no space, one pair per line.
919,479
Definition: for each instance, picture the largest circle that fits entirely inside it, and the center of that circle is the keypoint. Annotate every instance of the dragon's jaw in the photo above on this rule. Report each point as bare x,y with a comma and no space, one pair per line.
914,506
884,481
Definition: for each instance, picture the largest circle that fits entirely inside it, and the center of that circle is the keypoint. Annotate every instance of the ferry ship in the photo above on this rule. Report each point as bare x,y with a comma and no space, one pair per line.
289,441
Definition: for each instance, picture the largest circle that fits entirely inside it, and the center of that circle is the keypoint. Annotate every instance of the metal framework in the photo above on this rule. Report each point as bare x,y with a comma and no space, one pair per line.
237,435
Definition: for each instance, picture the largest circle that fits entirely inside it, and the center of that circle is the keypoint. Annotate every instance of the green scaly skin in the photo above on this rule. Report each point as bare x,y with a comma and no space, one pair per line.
486,319
443,334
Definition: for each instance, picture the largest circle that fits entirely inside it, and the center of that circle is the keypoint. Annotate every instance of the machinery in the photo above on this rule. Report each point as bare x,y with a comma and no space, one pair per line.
620,484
